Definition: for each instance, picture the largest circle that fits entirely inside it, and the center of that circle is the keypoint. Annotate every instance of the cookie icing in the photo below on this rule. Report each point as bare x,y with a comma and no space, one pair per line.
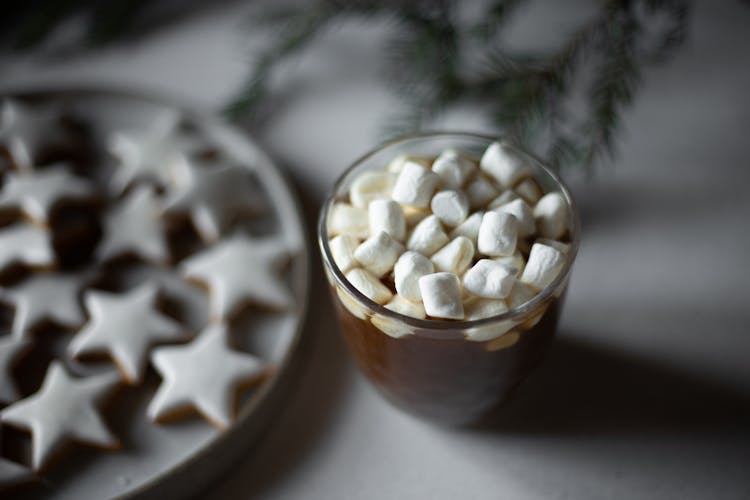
12,474
10,350
125,326
63,410
26,244
203,375
24,130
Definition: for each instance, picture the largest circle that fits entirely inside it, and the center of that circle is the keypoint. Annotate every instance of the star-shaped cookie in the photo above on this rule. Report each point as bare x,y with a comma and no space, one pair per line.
25,244
63,410
238,270
213,195
135,226
125,326
12,474
35,193
150,156
24,130
46,296
204,375
11,349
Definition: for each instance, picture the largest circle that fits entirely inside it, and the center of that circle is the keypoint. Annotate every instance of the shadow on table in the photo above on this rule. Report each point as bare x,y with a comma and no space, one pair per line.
586,388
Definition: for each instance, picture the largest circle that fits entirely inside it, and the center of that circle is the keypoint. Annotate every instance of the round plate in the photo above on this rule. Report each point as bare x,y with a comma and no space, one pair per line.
179,458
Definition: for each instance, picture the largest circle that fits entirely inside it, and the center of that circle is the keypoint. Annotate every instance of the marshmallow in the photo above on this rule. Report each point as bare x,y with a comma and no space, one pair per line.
557,245
396,328
397,164
501,164
551,214
351,304
378,253
342,250
455,257
415,185
427,236
469,228
369,285
406,273
502,342
489,279
451,207
529,190
369,186
346,219
521,211
520,294
497,234
387,216
479,192
479,308
543,266
453,169
441,295
414,215
515,261
505,197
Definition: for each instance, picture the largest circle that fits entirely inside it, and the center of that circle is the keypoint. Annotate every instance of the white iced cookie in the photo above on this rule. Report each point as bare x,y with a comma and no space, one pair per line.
213,195
441,295
427,237
455,257
369,285
346,219
11,349
342,250
25,244
64,410
415,185
453,168
203,375
450,206
489,279
370,186
153,155
134,226
239,270
543,266
378,253
406,273
12,474
125,326
387,216
503,165
497,234
25,130
46,296
523,213
469,228
36,192
551,214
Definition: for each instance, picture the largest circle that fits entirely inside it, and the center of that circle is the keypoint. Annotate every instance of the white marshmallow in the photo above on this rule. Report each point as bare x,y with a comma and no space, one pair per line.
369,285
342,250
387,216
406,273
505,197
406,307
469,228
521,211
351,304
441,295
394,327
502,165
489,279
515,261
415,185
520,294
529,190
455,257
414,215
378,253
427,236
479,192
480,308
543,266
346,219
451,207
397,164
497,234
453,169
369,186
557,245
551,214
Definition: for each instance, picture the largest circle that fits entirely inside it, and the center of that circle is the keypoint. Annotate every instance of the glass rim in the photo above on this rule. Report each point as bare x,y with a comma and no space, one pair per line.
515,314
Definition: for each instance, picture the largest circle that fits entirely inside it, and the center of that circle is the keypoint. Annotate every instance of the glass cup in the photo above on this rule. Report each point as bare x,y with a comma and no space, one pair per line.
449,372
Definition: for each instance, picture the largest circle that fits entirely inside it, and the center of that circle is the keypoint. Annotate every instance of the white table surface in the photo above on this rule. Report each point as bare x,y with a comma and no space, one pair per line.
646,393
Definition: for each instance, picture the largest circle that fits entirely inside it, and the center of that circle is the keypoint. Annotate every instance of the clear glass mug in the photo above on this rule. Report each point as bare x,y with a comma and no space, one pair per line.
449,372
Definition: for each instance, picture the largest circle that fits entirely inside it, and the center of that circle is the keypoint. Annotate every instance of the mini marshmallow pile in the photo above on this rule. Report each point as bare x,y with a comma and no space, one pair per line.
453,239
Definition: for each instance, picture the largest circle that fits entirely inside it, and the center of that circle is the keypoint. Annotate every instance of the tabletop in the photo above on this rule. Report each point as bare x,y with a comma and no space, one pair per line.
645,393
